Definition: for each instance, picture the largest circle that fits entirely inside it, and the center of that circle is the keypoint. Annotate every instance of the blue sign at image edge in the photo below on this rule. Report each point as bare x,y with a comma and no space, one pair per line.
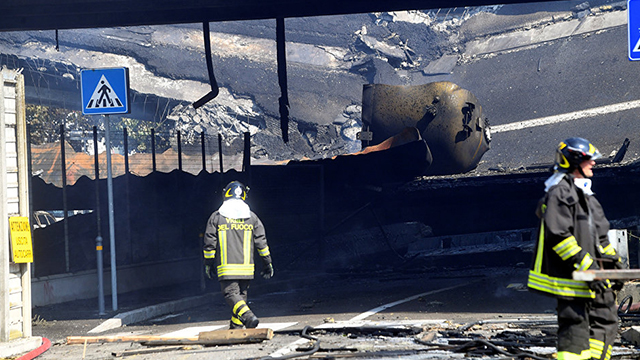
118,82
633,37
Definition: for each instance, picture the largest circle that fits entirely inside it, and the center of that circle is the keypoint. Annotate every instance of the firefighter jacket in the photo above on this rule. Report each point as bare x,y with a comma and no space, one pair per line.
229,245
572,233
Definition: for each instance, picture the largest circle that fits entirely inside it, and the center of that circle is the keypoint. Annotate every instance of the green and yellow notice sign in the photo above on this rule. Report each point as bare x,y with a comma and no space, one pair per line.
21,239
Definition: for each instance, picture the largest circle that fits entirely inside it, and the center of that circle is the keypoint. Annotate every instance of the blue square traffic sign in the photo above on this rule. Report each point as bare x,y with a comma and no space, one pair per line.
105,91
633,11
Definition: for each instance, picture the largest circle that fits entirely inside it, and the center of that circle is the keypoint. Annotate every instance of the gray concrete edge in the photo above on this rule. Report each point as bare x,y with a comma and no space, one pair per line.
554,31
60,288
19,346
150,312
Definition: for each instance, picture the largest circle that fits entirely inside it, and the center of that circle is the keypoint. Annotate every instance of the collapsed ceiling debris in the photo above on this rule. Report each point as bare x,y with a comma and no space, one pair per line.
328,61
522,338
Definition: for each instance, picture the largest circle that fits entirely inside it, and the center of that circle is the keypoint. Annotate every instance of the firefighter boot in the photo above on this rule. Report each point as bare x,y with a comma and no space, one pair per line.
235,323
249,320
242,312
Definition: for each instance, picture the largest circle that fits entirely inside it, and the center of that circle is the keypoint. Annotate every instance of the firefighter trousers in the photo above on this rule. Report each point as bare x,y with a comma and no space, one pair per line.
235,294
587,328
603,325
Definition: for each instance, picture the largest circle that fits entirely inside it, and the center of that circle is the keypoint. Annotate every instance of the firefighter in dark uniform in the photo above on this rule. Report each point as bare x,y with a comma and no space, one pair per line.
573,236
232,233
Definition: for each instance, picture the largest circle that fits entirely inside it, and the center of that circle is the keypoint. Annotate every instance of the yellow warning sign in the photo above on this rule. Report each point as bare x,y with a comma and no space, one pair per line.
21,246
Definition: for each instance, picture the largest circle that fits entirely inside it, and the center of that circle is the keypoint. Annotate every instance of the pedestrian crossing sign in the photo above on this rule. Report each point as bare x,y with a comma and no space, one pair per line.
105,91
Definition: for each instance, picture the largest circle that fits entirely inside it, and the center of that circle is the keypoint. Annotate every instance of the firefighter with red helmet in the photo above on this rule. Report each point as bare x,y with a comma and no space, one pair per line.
573,236
231,235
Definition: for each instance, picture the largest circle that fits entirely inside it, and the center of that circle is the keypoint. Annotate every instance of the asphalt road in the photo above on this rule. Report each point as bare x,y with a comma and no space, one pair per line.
434,300
567,75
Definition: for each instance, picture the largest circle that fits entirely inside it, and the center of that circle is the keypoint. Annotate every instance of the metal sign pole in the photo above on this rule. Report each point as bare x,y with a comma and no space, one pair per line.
99,265
112,237
104,92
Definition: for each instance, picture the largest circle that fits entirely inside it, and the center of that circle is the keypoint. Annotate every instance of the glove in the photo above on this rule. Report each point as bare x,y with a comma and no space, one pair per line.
617,285
619,264
267,272
208,271
616,260
599,286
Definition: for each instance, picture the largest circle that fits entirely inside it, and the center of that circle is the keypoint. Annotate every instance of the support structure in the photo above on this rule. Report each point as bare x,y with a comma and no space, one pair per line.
15,278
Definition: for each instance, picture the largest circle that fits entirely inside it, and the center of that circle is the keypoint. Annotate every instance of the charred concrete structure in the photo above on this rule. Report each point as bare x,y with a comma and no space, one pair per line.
512,58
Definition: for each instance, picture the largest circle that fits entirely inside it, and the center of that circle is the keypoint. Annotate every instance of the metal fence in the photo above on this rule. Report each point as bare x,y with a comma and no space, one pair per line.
164,188
81,153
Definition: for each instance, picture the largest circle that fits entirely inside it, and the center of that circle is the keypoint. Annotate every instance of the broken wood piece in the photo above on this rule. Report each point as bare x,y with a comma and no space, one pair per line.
236,334
591,275
207,338
219,337
74,340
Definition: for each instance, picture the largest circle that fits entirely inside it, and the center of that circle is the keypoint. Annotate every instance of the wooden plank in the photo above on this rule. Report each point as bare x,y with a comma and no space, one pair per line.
24,177
236,334
74,340
591,275
217,337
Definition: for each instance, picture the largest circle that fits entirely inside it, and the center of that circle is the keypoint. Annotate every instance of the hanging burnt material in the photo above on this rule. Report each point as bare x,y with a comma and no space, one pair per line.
212,79
282,79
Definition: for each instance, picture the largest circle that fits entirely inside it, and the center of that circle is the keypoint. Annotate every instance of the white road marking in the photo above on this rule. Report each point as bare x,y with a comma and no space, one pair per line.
276,326
602,110
380,324
373,311
357,319
107,325
195,330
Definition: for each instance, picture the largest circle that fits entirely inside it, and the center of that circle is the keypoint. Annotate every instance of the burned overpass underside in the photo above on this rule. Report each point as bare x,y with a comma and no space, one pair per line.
33,15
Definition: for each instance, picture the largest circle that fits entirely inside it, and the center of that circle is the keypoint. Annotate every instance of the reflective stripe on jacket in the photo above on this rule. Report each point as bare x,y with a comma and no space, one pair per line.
229,245
572,229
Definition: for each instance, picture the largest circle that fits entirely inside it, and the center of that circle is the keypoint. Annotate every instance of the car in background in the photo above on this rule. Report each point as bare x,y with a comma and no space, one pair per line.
42,219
